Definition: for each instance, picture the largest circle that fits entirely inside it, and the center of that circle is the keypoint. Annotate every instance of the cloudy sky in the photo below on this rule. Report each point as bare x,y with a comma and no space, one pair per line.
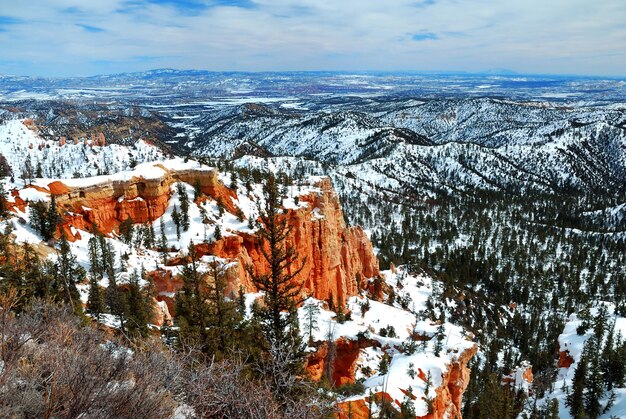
85,37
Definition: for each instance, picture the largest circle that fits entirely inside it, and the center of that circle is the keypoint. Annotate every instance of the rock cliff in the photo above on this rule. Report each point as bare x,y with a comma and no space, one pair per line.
336,258
108,202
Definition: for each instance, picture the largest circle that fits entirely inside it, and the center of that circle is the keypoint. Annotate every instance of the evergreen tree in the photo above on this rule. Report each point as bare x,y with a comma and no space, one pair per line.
575,399
184,205
53,218
3,200
312,311
281,290
95,299
192,310
139,307
224,316
278,316
594,384
176,217
148,235
44,218
68,274
163,241
127,230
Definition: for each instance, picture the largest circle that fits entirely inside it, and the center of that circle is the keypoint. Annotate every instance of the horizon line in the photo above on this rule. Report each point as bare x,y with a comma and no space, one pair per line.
488,72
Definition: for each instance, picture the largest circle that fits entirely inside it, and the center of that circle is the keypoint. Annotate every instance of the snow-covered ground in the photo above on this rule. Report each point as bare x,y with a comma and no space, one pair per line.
19,144
574,343
374,320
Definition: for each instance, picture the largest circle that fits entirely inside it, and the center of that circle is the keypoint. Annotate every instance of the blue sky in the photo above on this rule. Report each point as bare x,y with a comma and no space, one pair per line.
86,37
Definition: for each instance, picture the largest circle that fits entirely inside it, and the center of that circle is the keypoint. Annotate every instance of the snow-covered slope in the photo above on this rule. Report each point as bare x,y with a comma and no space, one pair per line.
21,145
580,339
482,143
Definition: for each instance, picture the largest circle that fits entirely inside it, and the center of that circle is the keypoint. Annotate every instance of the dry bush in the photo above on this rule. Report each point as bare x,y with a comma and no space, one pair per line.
56,368
53,366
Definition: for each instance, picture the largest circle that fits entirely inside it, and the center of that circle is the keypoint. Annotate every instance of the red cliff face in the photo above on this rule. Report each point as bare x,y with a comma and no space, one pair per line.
565,359
336,258
344,359
109,203
449,400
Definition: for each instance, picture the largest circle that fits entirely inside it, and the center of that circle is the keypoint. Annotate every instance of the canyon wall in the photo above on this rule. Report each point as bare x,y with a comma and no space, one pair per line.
336,260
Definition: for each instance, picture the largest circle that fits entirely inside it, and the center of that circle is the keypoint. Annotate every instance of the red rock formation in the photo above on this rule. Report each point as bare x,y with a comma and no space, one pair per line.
565,359
346,354
449,399
166,285
161,314
336,258
108,204
62,141
100,140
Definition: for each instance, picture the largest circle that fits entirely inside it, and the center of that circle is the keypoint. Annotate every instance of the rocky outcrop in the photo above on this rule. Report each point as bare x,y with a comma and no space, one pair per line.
565,359
448,402
343,357
336,259
108,203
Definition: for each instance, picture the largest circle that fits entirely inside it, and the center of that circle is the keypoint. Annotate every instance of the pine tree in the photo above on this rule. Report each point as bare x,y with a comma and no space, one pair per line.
281,290
52,219
312,311
114,298
278,316
36,276
224,316
68,274
127,230
148,235
44,218
575,398
95,299
163,241
594,384
139,307
192,310
184,206
176,217
3,200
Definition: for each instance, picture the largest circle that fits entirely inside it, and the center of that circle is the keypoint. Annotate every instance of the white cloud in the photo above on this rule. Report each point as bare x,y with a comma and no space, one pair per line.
78,36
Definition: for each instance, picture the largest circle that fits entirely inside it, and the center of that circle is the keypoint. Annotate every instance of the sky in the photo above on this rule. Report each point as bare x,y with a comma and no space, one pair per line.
87,37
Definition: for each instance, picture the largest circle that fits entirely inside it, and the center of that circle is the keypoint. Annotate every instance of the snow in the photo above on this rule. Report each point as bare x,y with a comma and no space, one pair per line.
382,316
574,343
19,143
34,195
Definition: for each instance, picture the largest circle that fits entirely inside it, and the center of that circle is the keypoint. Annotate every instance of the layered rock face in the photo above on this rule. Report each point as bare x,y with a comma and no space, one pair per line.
110,202
449,400
344,356
335,259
